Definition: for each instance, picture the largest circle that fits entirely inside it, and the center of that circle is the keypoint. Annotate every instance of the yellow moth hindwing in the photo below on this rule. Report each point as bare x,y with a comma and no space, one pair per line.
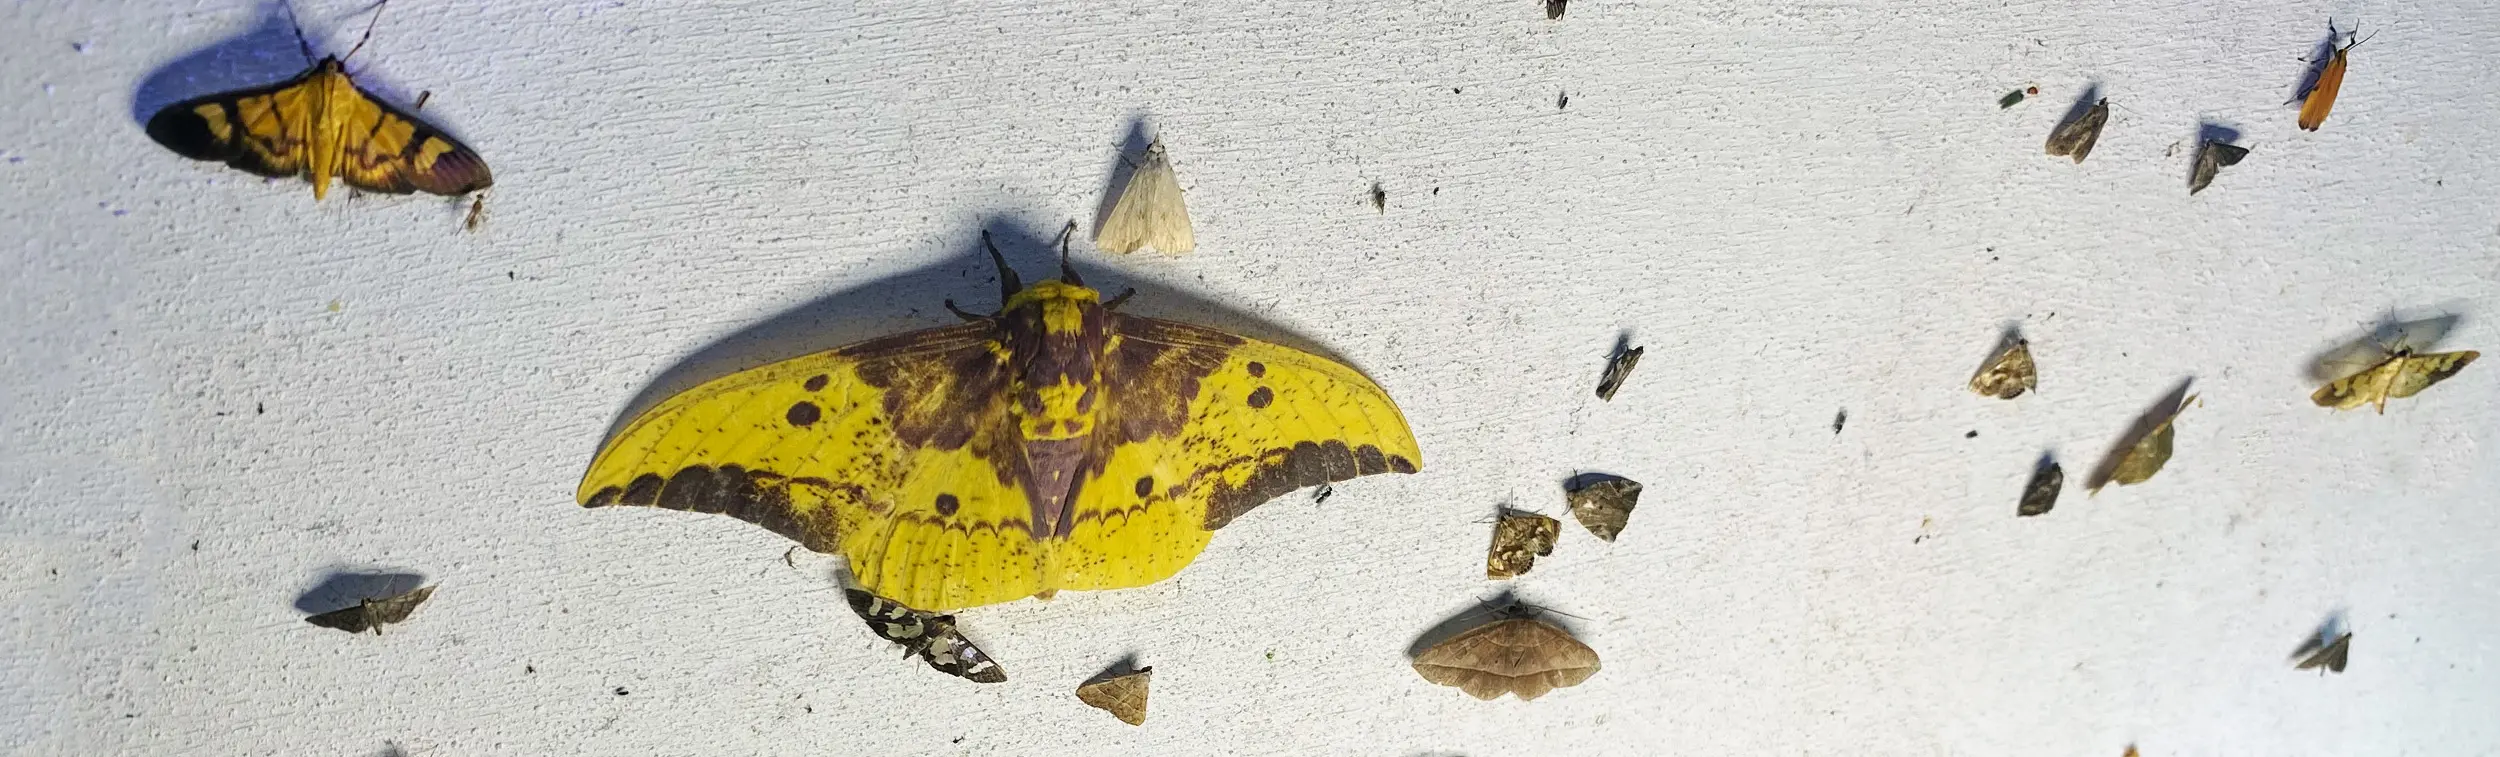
1057,444
319,125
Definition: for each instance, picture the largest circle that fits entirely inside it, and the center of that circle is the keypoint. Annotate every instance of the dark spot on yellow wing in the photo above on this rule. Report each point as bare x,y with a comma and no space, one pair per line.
1258,369
644,491
1145,485
805,414
1261,398
1400,464
754,496
947,504
1283,470
816,383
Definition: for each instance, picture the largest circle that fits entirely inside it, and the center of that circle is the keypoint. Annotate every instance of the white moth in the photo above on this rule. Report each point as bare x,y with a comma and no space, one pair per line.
1150,212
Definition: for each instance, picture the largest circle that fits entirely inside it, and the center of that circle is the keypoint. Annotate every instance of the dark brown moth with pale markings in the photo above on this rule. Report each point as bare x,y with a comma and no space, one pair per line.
372,613
2040,495
1519,538
2075,138
930,635
2209,161
1604,506
1618,368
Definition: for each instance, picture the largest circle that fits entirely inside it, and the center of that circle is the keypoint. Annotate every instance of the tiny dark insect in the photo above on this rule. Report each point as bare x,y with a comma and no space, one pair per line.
1562,100
1618,368
1380,198
1554,9
1322,494
422,97
1839,420
2041,494
1973,434
620,691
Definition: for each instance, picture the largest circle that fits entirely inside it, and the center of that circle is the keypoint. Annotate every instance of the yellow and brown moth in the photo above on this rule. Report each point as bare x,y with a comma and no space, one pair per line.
2402,373
1519,538
1058,444
2075,138
2320,99
1520,656
2009,374
320,125
1603,504
2328,657
1124,695
372,613
930,635
2149,453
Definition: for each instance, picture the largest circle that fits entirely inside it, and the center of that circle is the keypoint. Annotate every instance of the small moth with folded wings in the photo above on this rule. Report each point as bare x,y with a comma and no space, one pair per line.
930,635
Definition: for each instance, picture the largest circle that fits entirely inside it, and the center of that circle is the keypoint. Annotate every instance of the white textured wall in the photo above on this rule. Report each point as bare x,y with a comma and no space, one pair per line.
1796,207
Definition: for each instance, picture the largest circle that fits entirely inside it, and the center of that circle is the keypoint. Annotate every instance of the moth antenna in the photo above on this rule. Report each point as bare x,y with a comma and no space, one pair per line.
360,41
300,42
959,312
1115,302
1067,272
1008,284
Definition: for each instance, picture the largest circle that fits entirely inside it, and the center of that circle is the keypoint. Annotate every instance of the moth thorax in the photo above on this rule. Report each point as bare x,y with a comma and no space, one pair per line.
1064,409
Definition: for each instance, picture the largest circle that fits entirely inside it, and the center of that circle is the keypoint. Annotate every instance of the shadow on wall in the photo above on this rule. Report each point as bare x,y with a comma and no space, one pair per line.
342,589
275,49
914,300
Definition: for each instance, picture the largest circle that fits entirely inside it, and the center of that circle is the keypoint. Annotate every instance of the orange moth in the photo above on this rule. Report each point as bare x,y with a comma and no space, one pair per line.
2321,97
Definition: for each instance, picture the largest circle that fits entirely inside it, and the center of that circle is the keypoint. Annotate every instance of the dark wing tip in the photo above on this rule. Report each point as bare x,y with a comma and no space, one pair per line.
456,173
181,129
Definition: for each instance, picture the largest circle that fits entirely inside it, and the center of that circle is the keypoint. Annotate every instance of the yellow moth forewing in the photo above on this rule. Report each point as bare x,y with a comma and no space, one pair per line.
2321,98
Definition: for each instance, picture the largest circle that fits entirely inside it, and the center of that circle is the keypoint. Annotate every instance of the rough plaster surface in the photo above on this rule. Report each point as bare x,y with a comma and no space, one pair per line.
221,394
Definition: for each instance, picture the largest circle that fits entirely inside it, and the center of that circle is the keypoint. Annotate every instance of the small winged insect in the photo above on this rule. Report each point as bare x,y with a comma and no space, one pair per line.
2210,158
930,635
1320,495
2009,374
2400,373
1380,198
2320,98
373,613
1124,695
2327,658
1554,9
2041,494
2075,138
1150,211
2149,453
1618,368
477,212
1604,505
1519,538
1515,655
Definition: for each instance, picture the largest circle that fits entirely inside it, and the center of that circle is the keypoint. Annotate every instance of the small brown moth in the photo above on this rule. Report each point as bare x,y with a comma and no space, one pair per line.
1520,656
2009,374
1618,368
2149,454
2401,374
2075,138
371,614
1554,9
1380,198
2331,656
1604,506
2041,493
930,635
1519,538
1124,696
2210,159
477,211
